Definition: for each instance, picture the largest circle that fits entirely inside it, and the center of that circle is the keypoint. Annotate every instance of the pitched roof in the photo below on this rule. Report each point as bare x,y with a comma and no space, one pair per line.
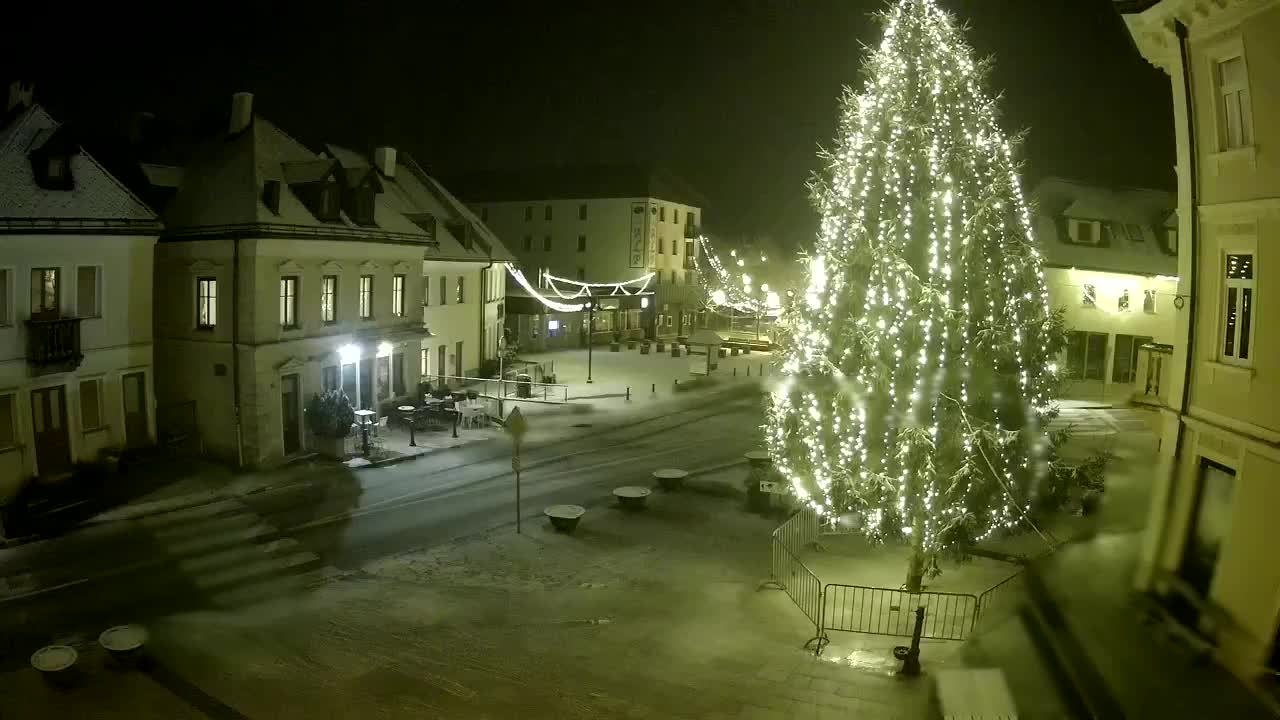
576,182
223,183
96,196
1135,214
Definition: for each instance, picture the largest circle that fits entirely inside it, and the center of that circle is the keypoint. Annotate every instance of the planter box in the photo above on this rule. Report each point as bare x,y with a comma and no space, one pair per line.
644,348
615,347
329,447
675,351
631,344
564,518
662,346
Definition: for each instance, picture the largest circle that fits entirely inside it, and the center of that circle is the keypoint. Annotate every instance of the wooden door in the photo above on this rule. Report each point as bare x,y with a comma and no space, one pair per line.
367,389
134,387
290,414
49,428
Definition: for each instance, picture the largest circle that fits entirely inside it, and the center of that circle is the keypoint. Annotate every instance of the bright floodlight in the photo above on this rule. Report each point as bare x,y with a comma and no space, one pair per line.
384,348
772,301
718,297
644,302
349,354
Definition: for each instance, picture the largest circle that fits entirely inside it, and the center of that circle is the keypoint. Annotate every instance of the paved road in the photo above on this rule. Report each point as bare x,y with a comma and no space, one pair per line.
242,549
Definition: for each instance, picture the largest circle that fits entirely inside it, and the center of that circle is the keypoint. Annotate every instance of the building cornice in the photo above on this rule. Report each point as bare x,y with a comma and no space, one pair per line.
78,226
1248,209
298,232
1152,23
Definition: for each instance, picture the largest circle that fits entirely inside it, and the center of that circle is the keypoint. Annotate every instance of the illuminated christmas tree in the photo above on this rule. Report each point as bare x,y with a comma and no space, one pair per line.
919,373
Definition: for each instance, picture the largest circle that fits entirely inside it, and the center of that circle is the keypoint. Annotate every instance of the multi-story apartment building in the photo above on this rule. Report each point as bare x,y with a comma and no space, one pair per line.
1111,264
1212,523
598,225
284,272
75,302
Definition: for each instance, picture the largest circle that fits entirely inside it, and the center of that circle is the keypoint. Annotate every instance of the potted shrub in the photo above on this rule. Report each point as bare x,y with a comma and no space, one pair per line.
644,347
329,418
616,344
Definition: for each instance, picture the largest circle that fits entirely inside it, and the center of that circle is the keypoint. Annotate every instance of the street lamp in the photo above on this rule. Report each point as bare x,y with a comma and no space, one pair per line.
591,326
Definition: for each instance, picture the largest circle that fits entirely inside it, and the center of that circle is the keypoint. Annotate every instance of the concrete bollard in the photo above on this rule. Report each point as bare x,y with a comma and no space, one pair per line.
653,388
628,393
735,372
748,371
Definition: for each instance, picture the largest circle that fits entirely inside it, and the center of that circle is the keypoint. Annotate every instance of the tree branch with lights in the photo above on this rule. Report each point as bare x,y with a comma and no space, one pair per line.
918,371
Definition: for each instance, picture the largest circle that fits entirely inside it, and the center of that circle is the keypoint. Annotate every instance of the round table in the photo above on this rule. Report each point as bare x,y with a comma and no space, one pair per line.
564,517
670,478
407,410
123,641
56,663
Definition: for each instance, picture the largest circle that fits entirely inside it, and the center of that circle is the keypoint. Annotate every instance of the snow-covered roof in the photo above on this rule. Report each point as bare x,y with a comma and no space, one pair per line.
95,196
1135,217
223,183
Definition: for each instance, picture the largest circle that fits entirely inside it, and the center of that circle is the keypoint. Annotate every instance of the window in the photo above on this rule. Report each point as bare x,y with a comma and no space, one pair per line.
691,220
582,243
1235,116
1089,296
1148,301
484,214
546,243
424,356
88,291
330,379
91,404
1124,368
675,249
8,427
673,277
461,295
426,291
1237,325
582,274
383,369
444,290
206,302
1122,304
397,295
329,298
1134,231
528,213
56,168
546,212
661,243
528,242
662,213
688,254
45,293
1171,241
582,211
1086,355
6,298
329,202
675,215
1085,232
289,302
366,297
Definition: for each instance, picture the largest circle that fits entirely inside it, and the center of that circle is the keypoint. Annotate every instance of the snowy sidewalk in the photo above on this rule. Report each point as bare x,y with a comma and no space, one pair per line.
653,614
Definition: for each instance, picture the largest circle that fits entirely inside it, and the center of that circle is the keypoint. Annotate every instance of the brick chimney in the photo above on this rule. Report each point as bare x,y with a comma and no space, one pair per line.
241,113
20,95
384,158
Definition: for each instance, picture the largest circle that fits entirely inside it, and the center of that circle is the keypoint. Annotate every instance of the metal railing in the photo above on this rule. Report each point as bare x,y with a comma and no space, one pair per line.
504,388
881,611
789,574
996,600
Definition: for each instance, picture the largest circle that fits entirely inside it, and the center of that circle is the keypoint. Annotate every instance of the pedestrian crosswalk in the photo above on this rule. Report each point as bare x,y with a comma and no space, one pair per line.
232,554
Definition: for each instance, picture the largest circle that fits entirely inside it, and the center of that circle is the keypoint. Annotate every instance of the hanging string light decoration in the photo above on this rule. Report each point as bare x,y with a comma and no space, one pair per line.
726,290
917,370
577,288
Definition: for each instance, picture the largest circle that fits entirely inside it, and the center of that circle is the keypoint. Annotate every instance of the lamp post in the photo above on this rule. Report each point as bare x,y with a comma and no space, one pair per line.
591,326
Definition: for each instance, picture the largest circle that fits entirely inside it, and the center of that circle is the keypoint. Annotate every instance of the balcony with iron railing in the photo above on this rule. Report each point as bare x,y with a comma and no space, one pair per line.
692,231
53,344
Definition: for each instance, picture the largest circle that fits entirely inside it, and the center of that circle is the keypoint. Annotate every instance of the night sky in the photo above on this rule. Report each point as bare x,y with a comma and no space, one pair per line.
735,97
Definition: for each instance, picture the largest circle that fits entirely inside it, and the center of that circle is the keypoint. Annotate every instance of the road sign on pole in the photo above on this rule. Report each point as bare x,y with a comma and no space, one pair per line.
517,426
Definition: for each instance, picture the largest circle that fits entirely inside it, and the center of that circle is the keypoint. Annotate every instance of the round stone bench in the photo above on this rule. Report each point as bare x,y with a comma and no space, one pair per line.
123,642
57,664
564,518
670,478
631,497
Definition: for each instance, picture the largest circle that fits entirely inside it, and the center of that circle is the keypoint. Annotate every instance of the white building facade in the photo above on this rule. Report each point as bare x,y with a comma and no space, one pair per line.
76,352
1111,263
1211,529
286,272
597,225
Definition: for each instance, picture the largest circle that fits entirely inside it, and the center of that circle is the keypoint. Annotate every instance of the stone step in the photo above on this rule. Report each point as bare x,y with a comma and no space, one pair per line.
262,568
186,515
209,543
210,526
246,553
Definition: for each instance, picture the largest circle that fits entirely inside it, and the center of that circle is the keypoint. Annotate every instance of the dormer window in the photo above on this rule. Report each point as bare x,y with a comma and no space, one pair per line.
362,206
52,170
57,168
330,201
1086,232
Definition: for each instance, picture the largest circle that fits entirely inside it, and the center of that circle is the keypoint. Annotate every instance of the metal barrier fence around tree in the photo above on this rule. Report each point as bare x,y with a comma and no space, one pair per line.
873,610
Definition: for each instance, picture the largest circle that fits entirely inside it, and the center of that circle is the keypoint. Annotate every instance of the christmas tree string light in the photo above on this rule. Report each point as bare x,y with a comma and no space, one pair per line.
917,370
